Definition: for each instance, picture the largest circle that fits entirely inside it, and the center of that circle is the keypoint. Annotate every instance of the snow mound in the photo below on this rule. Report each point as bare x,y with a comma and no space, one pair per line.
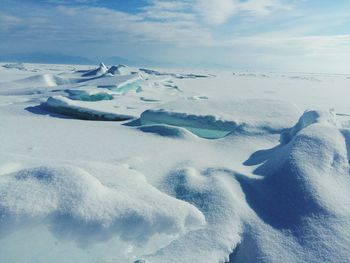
221,201
128,206
100,70
308,118
44,80
302,200
215,119
295,210
306,171
85,109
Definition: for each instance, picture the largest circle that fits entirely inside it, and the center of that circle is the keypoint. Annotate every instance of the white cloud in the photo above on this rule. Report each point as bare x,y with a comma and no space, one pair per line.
220,11
264,7
85,23
212,12
216,12
8,21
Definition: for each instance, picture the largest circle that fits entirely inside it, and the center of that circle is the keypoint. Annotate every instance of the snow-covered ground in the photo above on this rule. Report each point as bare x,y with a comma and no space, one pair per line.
120,164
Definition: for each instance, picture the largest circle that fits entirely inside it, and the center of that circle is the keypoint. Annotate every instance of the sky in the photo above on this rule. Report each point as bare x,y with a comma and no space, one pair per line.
276,35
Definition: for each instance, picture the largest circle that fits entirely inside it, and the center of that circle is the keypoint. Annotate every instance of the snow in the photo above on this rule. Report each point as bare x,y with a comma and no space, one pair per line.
182,166
74,203
307,206
75,195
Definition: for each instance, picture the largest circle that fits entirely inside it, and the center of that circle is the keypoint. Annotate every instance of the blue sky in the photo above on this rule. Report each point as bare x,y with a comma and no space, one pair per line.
279,35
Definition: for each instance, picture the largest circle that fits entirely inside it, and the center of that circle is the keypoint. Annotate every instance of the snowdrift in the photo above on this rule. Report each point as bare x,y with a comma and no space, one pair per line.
44,80
303,197
71,203
221,201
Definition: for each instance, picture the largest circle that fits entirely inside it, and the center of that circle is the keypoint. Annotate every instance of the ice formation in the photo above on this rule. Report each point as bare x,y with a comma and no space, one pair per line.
84,110
215,119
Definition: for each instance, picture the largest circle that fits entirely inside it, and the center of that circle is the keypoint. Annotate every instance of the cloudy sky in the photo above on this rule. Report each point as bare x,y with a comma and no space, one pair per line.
279,35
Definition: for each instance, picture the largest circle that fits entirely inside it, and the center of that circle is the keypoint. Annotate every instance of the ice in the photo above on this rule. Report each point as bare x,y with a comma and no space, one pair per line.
86,95
216,119
85,109
166,130
124,88
114,82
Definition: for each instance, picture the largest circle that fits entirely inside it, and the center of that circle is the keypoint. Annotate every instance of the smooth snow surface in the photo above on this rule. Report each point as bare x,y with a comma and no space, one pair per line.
181,166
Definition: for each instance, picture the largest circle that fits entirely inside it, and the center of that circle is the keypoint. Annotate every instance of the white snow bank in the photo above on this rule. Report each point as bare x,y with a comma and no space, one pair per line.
78,204
33,85
308,118
221,200
44,80
212,119
302,200
102,110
